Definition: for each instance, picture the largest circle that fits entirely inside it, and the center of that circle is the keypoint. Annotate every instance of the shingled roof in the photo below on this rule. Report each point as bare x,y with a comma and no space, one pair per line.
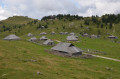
43,33
112,37
53,33
12,37
72,38
43,38
93,36
30,35
85,35
32,39
67,48
72,33
49,42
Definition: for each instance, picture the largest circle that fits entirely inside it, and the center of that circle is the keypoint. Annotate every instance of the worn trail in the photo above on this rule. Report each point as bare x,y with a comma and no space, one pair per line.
106,58
100,56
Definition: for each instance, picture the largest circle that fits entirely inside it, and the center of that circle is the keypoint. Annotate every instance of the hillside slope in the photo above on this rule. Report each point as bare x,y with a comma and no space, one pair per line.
22,25
17,62
17,20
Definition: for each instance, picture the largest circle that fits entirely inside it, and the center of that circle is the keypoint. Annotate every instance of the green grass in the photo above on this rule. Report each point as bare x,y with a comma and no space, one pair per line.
13,54
17,20
13,65
52,25
110,48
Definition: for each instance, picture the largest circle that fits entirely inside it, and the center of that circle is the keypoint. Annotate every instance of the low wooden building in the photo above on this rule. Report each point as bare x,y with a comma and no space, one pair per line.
67,49
85,35
53,33
30,35
33,39
93,36
72,38
44,38
112,37
12,37
49,42
43,33
72,33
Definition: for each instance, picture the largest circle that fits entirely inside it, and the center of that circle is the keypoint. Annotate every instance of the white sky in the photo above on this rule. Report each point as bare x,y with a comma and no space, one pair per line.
39,8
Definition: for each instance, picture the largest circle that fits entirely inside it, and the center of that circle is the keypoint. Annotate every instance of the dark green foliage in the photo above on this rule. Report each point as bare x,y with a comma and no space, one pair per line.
62,16
39,26
110,26
95,19
35,21
99,32
3,26
102,25
63,27
81,26
46,26
98,25
111,18
86,22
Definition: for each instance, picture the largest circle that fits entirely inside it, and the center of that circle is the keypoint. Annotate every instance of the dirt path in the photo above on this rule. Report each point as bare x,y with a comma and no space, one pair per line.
58,41
106,58
100,56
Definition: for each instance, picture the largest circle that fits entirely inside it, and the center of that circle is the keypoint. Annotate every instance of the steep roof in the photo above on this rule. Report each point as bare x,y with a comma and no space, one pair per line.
112,36
61,33
72,33
85,34
48,41
30,34
43,33
33,39
66,32
93,36
66,47
72,38
12,37
53,33
43,38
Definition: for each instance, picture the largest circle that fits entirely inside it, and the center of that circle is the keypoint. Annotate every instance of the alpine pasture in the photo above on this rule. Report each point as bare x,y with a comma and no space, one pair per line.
22,59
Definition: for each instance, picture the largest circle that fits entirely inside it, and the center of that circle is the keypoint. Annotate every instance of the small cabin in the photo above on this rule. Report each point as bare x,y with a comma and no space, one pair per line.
12,37
33,39
93,36
85,35
67,49
72,38
53,33
30,35
49,42
43,33
112,37
44,38
72,33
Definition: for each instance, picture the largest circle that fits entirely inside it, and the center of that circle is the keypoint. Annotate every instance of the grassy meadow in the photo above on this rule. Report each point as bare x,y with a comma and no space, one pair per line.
24,60
15,63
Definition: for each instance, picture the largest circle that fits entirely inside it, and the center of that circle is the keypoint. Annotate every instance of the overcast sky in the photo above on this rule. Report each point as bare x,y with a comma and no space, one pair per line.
39,8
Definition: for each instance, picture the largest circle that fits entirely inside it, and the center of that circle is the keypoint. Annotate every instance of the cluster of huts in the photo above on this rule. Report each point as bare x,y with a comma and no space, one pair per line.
72,36
45,40
64,48
97,36
90,36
